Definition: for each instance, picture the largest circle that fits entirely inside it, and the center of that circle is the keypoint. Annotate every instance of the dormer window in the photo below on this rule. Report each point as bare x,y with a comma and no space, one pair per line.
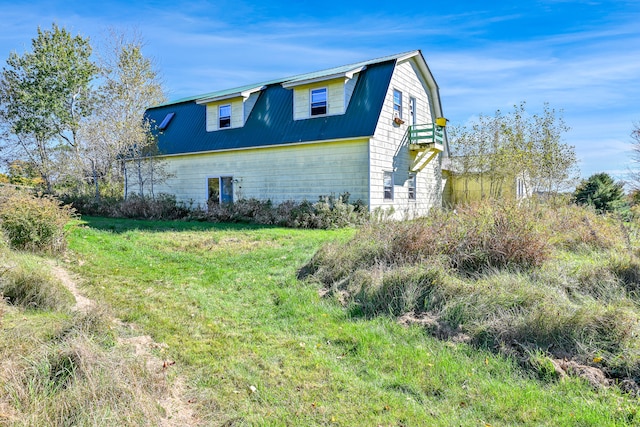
319,101
224,116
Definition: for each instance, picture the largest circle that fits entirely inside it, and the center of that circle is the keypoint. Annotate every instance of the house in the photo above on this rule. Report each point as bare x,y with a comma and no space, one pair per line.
373,129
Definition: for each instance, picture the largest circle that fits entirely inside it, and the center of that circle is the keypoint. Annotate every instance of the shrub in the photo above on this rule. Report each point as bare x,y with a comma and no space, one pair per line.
473,237
163,206
327,212
34,222
88,205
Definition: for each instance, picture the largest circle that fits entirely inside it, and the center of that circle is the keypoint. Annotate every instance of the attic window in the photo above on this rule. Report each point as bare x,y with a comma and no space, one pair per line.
319,101
165,122
225,116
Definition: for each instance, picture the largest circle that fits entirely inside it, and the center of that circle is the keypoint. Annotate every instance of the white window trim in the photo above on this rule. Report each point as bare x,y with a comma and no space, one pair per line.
219,177
383,187
393,100
413,181
326,89
230,114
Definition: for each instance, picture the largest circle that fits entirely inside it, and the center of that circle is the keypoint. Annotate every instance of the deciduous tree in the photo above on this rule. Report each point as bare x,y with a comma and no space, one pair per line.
495,150
44,95
118,130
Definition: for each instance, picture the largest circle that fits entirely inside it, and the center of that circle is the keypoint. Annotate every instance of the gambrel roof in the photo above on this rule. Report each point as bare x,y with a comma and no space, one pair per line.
271,121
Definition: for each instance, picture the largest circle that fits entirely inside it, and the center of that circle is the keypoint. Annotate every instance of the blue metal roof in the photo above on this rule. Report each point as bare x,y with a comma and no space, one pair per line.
271,120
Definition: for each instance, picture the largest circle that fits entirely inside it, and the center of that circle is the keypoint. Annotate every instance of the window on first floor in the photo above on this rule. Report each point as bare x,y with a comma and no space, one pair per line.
224,116
387,182
220,189
412,186
319,101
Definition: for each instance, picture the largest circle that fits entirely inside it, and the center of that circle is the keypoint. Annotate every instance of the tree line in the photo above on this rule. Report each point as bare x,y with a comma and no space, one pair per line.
76,115
495,151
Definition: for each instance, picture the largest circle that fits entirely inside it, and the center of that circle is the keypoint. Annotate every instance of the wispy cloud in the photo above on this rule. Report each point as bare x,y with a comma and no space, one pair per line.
480,54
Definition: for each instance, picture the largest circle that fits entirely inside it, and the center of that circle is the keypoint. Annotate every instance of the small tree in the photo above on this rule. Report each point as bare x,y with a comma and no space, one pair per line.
601,192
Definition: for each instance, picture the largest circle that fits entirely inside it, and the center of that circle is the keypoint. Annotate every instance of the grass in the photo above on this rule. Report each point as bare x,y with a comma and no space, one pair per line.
260,347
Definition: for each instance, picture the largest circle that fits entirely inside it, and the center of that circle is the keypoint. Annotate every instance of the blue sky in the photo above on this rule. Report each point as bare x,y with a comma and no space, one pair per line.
582,57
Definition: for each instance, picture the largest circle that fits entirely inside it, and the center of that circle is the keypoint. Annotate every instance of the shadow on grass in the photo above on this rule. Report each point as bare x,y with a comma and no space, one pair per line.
122,225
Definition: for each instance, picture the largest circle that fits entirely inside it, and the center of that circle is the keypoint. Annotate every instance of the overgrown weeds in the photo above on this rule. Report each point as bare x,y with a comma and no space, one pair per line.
27,282
327,212
61,367
33,222
510,277
65,376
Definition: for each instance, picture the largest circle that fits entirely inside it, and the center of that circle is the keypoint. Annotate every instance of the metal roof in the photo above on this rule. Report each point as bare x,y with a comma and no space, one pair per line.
297,78
271,121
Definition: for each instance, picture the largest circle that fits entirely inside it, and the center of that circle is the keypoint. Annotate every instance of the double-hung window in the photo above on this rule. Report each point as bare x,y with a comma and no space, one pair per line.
397,103
224,116
318,101
387,183
412,186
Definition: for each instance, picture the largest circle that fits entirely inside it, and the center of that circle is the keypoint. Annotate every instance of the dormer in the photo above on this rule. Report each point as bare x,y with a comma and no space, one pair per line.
230,109
319,95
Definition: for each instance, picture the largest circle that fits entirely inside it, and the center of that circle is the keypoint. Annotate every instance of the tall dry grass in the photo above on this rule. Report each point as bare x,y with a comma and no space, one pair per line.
517,278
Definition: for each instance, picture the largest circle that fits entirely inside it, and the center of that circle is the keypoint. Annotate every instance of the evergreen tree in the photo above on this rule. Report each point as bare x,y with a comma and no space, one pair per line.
601,192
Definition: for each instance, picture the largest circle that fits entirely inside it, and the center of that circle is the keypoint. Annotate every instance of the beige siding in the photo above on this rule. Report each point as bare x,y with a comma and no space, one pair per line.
249,104
238,113
294,172
349,87
335,98
390,149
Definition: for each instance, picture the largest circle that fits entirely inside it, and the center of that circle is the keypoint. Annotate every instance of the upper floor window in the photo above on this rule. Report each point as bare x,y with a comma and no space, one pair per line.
413,111
397,103
224,116
319,101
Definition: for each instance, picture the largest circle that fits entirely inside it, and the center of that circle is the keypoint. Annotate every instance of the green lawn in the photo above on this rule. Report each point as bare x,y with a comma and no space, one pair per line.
226,301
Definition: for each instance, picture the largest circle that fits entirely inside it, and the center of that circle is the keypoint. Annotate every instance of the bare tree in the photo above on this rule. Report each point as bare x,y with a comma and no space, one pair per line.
118,130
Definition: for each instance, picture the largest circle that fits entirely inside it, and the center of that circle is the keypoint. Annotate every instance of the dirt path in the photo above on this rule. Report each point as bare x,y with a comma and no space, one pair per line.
83,304
178,412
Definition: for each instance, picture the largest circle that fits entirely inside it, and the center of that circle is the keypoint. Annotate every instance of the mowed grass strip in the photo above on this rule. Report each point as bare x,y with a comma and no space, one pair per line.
262,348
